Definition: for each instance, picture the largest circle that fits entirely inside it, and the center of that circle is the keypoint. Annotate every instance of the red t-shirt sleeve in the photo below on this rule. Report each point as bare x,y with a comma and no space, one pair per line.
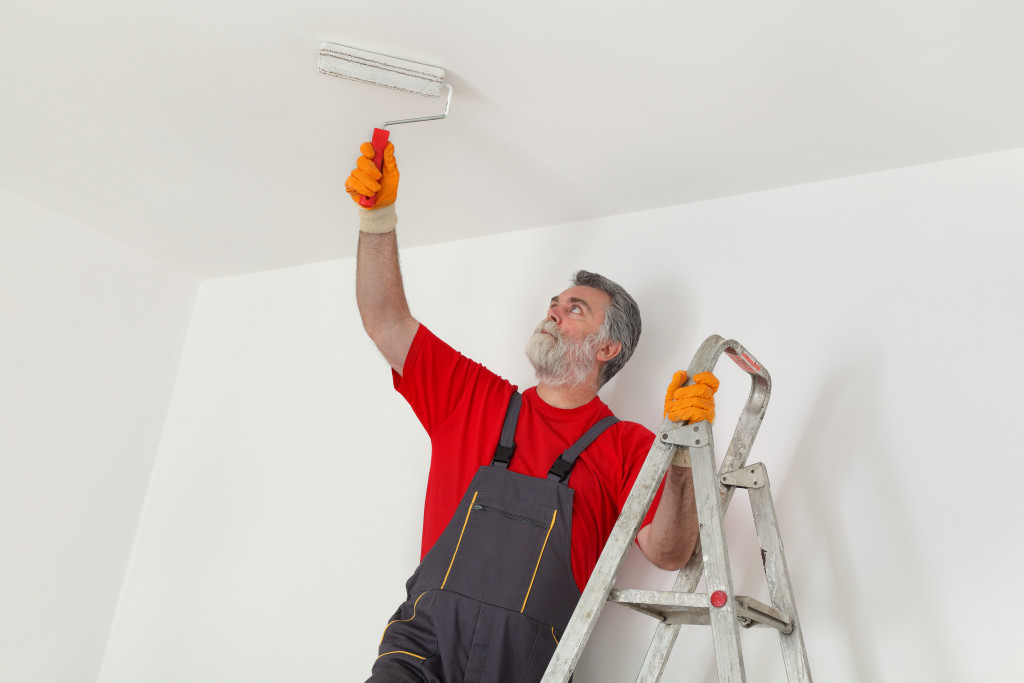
437,380
461,405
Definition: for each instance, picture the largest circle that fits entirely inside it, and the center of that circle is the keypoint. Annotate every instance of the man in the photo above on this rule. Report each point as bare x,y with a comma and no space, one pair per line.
524,488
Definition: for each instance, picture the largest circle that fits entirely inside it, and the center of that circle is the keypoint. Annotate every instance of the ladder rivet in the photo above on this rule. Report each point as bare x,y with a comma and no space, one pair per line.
719,598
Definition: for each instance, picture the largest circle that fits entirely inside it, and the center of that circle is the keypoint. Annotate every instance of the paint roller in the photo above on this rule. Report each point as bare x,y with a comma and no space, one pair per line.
388,72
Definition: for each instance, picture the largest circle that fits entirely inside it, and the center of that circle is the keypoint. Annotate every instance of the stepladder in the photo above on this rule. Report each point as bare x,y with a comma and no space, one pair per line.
692,445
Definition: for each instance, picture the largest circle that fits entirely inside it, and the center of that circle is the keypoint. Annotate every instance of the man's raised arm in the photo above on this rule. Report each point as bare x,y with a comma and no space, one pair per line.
380,294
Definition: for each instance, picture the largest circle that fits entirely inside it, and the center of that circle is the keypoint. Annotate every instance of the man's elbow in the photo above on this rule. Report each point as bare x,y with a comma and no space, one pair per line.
671,558
670,563
393,339
387,331
374,332
374,324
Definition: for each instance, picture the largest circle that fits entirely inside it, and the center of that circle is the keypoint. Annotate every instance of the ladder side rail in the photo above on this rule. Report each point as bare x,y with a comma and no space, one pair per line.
753,410
780,588
724,625
595,595
658,653
736,456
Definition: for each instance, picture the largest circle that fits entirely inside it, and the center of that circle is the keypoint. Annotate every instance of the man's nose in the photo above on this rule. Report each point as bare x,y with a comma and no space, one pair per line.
555,313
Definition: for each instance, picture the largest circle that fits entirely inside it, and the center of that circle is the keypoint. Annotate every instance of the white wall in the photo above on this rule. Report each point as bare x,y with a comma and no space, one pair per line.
284,511
90,337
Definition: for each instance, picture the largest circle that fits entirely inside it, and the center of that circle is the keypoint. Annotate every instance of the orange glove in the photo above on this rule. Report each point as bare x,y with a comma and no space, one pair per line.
693,403
367,181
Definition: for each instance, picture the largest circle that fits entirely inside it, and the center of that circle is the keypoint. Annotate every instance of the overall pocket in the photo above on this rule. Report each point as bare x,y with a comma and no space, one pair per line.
499,549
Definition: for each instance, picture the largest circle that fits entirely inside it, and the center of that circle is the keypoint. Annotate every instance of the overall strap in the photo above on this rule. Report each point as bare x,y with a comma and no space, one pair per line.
507,444
563,466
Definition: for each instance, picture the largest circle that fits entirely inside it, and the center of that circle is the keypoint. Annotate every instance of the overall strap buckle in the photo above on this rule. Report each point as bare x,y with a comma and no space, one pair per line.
563,466
506,444
502,456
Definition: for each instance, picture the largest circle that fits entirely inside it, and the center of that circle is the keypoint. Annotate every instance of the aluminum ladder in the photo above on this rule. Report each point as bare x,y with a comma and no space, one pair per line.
692,445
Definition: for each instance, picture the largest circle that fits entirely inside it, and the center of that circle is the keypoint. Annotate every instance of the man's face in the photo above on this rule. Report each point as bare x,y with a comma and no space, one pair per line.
563,348
579,311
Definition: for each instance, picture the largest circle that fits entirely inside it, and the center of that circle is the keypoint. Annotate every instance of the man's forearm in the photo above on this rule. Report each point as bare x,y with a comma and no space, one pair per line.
380,297
669,540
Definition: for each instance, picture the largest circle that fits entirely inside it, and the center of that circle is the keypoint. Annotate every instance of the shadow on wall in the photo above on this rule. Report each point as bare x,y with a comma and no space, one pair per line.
811,493
847,514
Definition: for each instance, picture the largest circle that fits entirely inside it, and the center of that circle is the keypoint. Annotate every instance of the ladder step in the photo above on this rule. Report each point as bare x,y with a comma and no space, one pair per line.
674,607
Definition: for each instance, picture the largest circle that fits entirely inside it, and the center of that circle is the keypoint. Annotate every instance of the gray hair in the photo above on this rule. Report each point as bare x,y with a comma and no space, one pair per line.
621,320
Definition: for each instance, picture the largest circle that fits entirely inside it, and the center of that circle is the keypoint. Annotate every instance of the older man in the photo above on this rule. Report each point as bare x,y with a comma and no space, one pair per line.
524,488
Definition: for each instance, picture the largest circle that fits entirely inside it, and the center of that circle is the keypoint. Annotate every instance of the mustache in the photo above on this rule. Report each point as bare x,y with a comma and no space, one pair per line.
550,327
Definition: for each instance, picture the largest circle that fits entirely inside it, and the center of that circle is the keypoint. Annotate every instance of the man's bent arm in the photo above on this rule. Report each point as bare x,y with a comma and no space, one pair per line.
669,540
380,296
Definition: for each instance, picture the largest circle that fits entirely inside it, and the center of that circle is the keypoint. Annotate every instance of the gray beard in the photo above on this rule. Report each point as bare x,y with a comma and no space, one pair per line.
559,360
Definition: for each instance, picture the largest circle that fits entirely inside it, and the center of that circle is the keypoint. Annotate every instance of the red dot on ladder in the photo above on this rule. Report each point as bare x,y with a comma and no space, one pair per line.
719,598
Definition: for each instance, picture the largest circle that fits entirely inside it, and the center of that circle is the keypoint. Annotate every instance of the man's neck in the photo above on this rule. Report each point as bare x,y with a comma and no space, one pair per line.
566,397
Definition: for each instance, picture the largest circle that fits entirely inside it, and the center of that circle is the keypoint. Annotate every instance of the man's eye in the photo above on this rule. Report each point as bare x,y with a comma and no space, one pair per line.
576,309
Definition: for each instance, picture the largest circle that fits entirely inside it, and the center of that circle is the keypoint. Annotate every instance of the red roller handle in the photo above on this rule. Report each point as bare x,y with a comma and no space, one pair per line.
379,142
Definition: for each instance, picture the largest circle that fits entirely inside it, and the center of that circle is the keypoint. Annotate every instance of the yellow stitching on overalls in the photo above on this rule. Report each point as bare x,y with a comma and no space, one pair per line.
394,621
534,577
553,635
460,539
400,652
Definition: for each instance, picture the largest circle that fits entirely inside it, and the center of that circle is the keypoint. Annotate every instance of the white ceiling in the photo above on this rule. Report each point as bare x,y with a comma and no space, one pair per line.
200,132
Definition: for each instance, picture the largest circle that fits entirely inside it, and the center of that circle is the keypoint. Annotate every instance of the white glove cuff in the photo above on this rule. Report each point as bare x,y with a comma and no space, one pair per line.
378,221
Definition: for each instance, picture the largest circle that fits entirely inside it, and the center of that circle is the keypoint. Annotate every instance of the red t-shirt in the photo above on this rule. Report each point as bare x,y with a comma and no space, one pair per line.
462,406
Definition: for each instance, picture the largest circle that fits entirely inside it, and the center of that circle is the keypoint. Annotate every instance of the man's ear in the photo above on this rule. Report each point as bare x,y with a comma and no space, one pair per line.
608,351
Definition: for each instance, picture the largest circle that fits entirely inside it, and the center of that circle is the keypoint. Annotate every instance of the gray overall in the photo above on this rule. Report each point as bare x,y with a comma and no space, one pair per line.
490,600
